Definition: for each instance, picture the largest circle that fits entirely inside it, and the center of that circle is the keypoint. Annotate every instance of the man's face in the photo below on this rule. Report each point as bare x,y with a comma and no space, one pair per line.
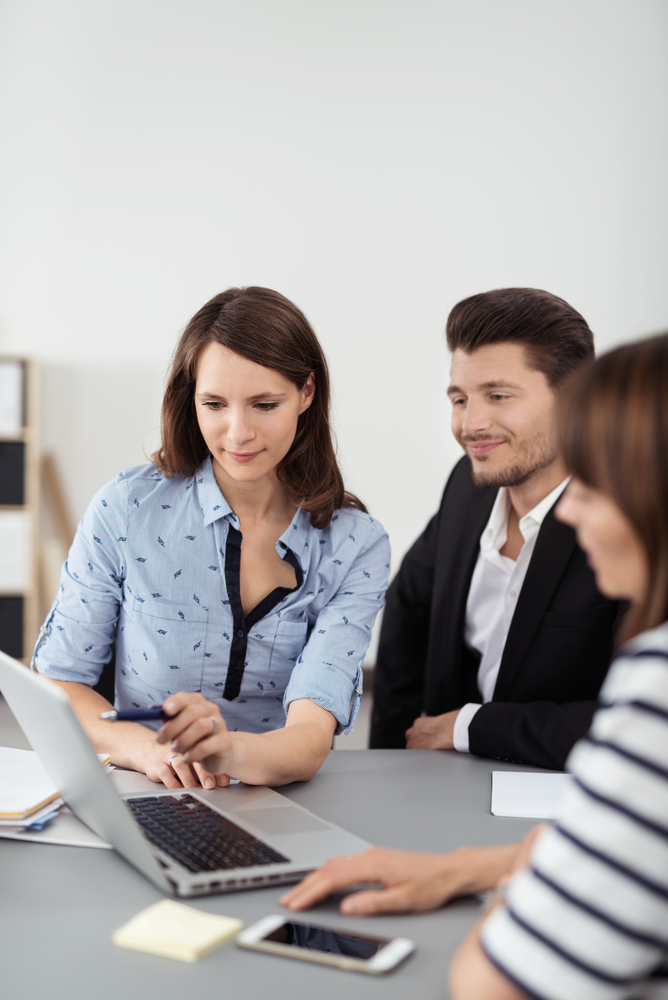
503,414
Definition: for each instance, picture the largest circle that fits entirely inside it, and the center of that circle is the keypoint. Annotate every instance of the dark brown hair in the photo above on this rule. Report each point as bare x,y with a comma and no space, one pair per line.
263,326
556,337
614,437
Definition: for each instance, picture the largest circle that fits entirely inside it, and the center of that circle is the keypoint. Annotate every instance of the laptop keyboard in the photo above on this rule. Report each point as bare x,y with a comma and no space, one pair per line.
198,837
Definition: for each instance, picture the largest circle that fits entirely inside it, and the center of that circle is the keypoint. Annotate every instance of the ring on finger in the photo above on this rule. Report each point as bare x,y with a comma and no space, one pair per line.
214,720
172,758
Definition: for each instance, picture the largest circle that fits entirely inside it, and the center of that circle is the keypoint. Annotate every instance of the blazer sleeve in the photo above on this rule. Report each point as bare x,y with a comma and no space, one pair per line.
540,733
402,649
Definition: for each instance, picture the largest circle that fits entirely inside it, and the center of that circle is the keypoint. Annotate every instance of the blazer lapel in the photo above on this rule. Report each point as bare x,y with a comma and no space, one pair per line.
456,562
555,545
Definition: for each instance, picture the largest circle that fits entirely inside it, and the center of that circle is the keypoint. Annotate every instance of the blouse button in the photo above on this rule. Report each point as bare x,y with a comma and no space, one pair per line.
241,633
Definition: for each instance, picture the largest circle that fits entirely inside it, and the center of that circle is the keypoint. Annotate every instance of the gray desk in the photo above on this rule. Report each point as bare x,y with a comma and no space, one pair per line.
59,905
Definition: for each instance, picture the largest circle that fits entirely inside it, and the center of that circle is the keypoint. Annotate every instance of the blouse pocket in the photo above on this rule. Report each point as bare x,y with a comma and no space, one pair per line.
167,648
289,642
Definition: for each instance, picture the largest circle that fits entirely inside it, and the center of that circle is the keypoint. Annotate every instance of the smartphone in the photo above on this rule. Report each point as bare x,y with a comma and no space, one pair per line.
330,945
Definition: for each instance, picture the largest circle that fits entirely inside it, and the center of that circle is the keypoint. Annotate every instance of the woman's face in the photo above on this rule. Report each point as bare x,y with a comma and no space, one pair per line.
247,414
612,546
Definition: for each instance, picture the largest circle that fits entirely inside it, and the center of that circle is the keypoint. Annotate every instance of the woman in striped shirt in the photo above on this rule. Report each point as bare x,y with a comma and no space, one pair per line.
588,918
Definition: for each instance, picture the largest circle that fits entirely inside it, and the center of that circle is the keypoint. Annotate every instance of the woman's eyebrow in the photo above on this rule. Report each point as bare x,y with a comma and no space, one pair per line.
263,395
252,399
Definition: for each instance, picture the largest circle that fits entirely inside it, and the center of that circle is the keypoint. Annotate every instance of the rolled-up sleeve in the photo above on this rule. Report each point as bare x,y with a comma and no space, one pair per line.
75,641
329,669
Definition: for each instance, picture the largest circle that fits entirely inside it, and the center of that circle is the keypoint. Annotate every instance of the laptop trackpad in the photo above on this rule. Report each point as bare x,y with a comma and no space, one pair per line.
281,819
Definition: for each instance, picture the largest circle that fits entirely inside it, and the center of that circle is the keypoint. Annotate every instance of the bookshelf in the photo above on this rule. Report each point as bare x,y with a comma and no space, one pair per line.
19,498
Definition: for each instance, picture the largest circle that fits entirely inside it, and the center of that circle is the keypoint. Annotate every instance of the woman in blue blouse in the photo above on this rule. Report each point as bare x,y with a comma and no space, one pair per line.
237,578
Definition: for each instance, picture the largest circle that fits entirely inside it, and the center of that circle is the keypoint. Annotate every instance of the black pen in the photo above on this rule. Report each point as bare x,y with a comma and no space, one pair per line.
135,715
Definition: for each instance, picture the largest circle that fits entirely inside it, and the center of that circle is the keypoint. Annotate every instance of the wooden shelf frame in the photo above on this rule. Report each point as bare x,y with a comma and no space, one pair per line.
29,436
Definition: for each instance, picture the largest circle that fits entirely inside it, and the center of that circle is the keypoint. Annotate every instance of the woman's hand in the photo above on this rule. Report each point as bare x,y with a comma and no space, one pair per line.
133,746
411,881
197,731
164,764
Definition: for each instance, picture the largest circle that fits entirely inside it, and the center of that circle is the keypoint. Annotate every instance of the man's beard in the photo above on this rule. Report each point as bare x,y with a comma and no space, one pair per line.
534,455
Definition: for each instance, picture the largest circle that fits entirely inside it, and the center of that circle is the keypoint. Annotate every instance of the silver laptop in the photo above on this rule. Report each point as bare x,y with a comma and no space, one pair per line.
183,840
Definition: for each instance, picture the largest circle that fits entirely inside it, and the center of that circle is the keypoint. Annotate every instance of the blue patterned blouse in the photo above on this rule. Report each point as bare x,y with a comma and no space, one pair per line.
155,565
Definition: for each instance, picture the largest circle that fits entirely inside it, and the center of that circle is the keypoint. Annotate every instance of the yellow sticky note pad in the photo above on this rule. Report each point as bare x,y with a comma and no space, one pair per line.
175,930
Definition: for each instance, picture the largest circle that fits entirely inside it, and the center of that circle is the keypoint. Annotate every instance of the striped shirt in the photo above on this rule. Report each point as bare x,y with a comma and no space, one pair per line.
154,567
589,919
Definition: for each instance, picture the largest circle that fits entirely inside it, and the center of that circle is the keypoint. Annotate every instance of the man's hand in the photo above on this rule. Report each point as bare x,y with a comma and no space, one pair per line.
432,732
411,881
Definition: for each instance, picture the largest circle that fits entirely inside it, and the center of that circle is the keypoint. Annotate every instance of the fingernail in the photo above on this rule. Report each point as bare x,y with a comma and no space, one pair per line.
174,742
350,906
209,783
168,707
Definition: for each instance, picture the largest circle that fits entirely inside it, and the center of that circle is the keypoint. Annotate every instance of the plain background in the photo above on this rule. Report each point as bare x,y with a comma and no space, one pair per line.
375,161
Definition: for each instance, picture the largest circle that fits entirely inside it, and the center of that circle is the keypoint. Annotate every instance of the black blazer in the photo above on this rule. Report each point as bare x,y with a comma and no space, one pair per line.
556,655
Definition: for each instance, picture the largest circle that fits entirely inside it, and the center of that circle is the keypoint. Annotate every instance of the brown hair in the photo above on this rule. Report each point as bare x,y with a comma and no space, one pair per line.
556,337
263,326
614,437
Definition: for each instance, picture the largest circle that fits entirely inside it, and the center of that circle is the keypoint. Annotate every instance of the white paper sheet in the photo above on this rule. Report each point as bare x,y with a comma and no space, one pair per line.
65,829
528,794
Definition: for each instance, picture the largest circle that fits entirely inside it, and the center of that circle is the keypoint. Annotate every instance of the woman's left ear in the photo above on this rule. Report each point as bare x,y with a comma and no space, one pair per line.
307,393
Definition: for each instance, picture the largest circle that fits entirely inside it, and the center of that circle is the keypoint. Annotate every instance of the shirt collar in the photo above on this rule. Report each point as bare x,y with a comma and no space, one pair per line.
496,530
213,504
298,536
538,513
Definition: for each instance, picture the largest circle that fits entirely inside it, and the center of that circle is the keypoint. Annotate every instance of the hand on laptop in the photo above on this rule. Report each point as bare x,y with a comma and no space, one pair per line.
432,732
411,881
197,732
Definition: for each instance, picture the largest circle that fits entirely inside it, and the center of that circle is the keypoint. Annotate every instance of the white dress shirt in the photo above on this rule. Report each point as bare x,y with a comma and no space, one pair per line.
495,586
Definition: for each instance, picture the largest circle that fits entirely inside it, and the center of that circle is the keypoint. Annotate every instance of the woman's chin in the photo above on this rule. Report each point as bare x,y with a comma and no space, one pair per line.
243,472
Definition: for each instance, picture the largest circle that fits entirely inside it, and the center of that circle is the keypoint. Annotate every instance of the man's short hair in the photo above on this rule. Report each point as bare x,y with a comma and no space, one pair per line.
555,336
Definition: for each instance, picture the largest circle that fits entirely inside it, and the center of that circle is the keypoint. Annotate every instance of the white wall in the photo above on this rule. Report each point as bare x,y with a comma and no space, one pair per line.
374,160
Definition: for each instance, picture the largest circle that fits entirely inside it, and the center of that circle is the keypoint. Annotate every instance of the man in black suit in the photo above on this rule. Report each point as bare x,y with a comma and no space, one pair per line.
495,640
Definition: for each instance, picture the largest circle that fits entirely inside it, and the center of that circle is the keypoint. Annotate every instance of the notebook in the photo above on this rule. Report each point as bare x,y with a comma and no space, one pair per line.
26,790
25,787
188,842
